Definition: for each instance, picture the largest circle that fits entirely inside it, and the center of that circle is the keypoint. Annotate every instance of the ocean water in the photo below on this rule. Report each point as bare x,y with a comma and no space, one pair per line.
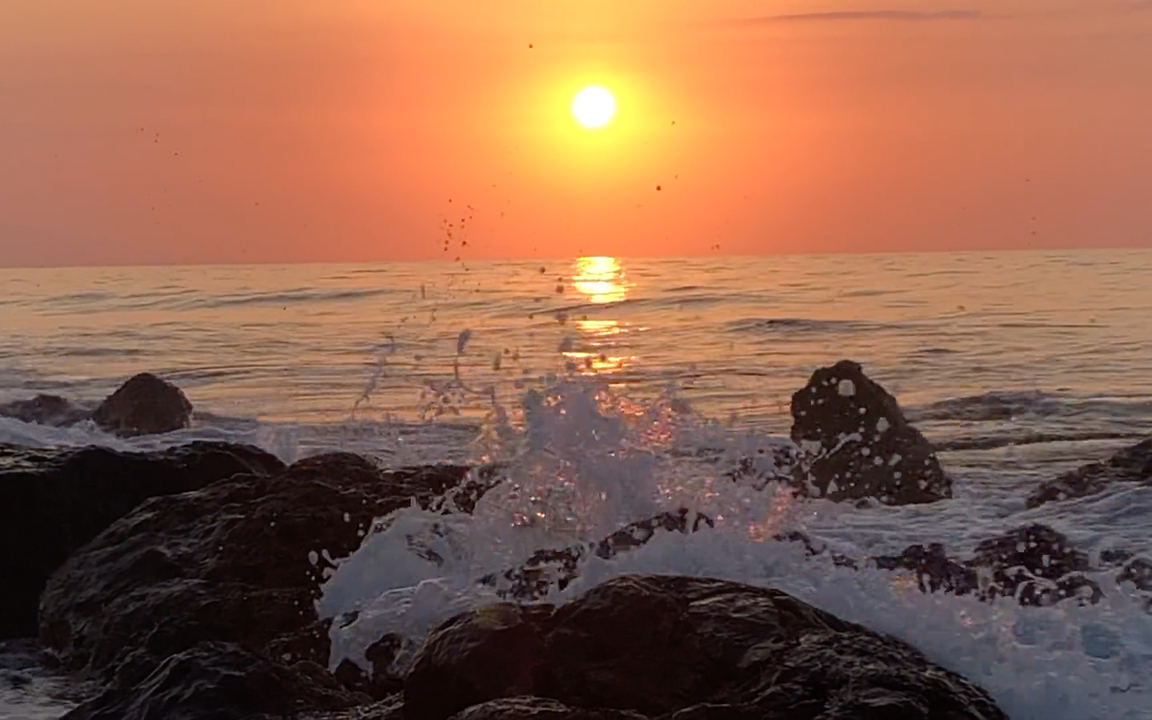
613,388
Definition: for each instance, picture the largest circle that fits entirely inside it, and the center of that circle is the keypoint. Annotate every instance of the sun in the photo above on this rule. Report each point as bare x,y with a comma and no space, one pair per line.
593,107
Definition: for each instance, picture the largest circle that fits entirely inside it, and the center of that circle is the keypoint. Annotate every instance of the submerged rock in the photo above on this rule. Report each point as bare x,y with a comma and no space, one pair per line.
218,681
1130,465
677,647
144,405
239,561
856,444
553,569
1033,564
50,410
53,501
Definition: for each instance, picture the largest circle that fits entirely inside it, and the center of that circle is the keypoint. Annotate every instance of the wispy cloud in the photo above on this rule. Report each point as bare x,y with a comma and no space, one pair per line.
847,15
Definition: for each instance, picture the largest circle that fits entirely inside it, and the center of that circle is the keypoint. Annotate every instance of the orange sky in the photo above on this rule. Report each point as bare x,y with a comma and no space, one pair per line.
136,131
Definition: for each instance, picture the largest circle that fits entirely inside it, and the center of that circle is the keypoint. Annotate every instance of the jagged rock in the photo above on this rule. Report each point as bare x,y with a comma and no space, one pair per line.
1138,572
1130,465
677,647
239,561
218,681
856,444
1036,565
144,405
549,570
553,569
1033,564
53,501
45,410
934,570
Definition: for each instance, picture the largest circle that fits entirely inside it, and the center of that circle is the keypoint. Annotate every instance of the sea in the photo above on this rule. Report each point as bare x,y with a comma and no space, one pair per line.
612,387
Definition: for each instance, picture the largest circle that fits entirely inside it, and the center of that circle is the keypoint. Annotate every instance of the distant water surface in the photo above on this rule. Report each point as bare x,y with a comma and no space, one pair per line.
1017,365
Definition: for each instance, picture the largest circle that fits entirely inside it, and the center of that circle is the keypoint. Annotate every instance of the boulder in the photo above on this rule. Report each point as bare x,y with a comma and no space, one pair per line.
144,405
1131,465
53,501
239,561
1033,564
45,410
677,647
855,443
218,681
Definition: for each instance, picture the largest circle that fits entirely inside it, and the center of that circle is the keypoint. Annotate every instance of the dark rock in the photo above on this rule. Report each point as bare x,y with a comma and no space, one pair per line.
1131,465
934,570
144,405
217,681
680,647
1033,564
1036,565
554,569
45,410
53,501
385,679
1138,572
239,561
855,443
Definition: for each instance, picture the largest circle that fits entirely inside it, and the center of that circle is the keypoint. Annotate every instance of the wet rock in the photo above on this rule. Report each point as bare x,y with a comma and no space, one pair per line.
1037,566
218,681
45,410
856,444
53,501
239,561
144,405
554,569
1033,564
1138,572
1130,465
934,570
678,647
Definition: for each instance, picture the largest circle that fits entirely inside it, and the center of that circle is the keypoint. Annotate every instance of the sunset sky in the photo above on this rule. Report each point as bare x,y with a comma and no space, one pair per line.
204,131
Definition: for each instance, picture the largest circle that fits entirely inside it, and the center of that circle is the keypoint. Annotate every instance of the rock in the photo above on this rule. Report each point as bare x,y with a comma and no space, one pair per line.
553,569
1130,465
676,647
45,410
53,501
239,561
218,681
1033,564
934,570
1036,565
856,444
144,405
1138,572
549,570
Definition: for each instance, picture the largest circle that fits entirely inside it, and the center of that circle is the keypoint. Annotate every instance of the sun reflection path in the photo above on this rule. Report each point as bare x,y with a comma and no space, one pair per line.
601,281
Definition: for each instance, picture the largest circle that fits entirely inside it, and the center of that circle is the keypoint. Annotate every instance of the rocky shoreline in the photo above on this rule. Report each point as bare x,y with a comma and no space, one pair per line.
183,582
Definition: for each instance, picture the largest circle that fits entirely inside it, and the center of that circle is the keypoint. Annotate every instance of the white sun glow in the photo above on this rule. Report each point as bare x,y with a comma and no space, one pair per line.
593,107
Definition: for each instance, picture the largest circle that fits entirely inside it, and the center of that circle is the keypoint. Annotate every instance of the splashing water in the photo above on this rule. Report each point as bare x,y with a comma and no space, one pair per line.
583,461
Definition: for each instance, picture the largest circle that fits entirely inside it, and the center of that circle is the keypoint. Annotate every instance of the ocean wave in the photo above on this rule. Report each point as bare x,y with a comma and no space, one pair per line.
805,325
291,297
1028,404
1030,438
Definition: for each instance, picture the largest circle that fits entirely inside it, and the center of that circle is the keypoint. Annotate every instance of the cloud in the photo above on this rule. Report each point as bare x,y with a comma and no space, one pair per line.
848,15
